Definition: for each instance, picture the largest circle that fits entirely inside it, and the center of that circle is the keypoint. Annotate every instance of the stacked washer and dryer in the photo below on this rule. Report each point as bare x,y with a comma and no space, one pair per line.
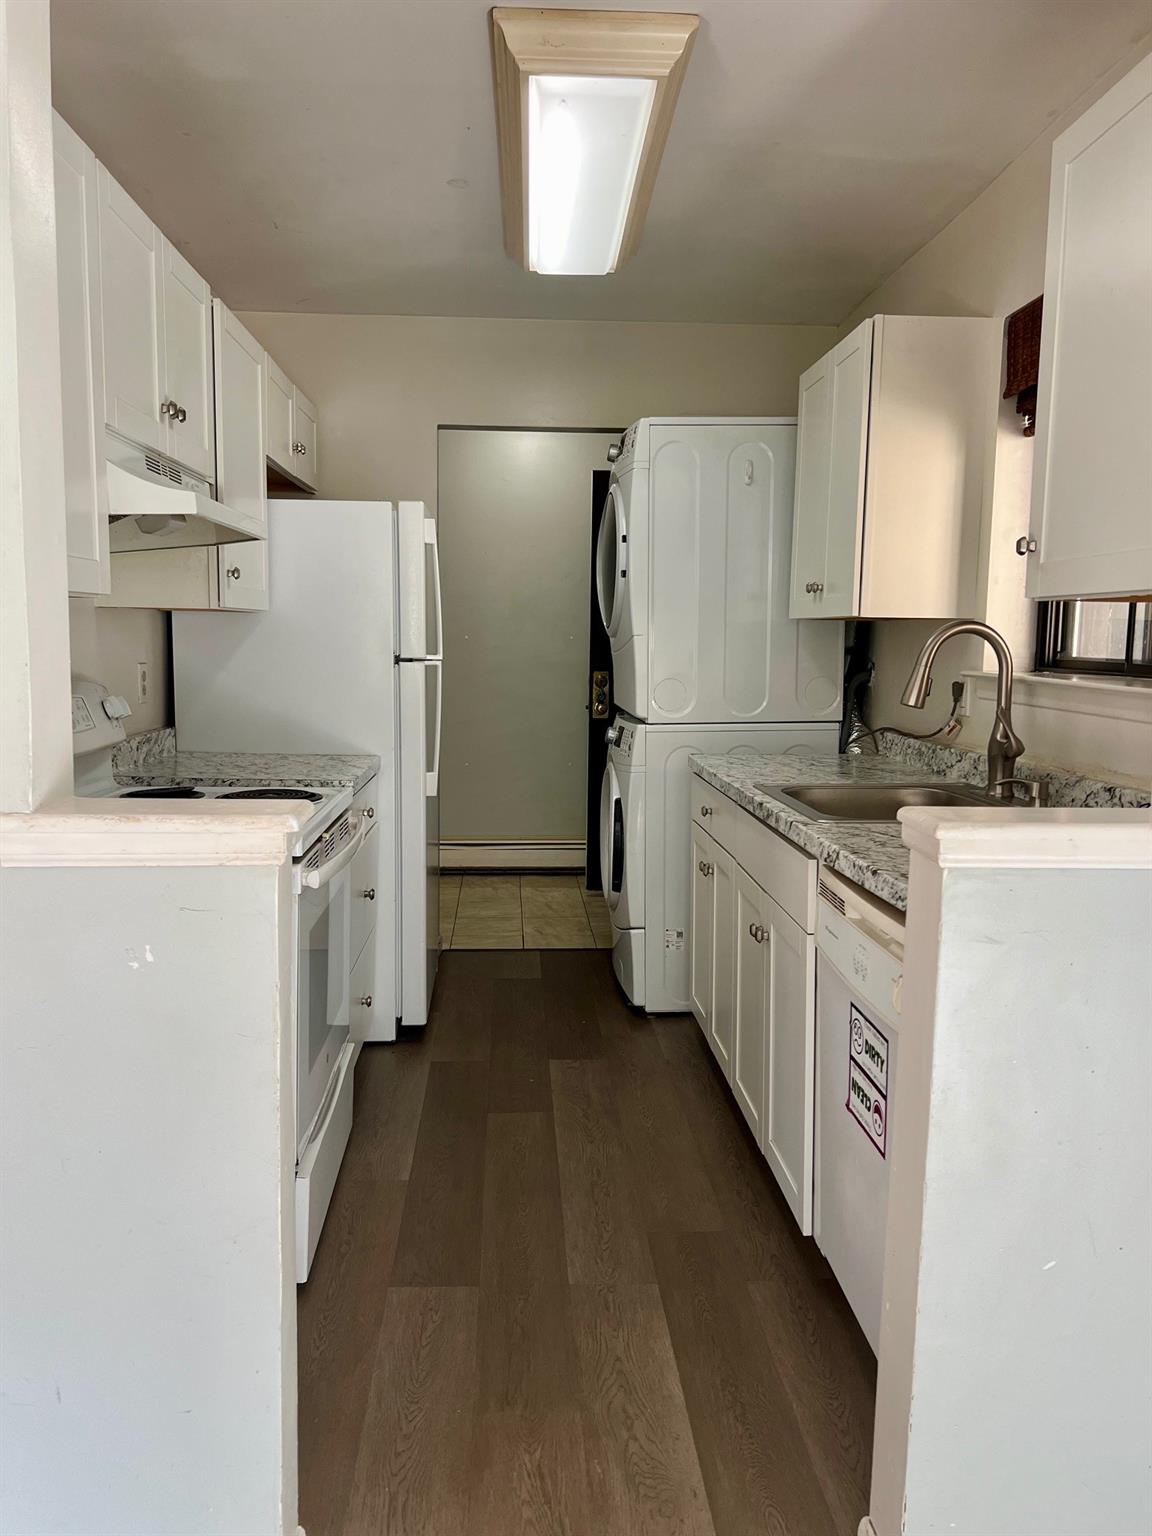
692,575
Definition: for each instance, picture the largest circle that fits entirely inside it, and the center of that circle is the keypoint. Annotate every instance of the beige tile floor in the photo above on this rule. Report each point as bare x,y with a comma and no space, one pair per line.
522,912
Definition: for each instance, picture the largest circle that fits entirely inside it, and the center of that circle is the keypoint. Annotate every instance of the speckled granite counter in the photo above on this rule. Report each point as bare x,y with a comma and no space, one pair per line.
272,768
873,854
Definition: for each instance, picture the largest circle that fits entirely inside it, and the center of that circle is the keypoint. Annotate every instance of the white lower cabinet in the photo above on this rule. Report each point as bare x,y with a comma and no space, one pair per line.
713,894
753,986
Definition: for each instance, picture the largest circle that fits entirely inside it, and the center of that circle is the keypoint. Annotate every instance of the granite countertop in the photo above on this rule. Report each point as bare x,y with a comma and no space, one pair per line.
873,854
322,769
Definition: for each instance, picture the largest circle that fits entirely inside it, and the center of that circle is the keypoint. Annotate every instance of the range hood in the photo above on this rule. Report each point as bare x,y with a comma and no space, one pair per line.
155,504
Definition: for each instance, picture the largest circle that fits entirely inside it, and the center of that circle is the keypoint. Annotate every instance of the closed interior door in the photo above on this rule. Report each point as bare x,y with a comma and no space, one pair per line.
515,553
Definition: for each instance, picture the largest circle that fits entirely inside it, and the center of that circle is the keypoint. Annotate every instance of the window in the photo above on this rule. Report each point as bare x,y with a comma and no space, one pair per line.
1089,636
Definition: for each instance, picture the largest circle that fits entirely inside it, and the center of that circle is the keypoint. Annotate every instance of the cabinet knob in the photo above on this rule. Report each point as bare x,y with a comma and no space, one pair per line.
181,413
705,869
233,573
167,408
705,810
300,448
369,894
369,811
1025,546
817,586
756,932
366,1002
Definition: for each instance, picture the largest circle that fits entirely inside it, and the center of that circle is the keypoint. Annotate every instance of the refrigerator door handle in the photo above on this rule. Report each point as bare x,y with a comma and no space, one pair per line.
432,775
431,539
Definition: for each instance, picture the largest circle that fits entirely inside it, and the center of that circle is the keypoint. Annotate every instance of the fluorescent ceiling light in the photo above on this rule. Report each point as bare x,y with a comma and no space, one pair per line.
584,102
585,137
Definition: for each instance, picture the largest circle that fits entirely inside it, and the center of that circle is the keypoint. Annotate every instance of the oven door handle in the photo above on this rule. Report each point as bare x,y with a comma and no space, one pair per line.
316,878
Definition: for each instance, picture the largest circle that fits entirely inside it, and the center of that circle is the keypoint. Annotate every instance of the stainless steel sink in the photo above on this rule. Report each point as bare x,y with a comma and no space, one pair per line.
870,802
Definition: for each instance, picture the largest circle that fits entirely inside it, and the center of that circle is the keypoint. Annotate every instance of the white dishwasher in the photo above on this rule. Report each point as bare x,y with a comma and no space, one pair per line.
859,971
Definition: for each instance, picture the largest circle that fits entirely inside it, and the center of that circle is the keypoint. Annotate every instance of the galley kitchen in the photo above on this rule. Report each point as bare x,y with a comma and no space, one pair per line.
575,839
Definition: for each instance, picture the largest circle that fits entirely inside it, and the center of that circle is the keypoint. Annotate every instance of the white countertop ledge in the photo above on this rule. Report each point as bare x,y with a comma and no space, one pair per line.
975,837
76,832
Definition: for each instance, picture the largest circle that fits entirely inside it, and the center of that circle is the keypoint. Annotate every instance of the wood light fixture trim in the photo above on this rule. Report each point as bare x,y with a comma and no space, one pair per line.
637,45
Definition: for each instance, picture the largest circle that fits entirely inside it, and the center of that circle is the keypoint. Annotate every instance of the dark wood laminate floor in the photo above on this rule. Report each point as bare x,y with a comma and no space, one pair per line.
558,1291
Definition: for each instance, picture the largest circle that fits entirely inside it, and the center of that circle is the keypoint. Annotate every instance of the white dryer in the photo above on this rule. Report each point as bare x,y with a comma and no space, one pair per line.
693,564
646,842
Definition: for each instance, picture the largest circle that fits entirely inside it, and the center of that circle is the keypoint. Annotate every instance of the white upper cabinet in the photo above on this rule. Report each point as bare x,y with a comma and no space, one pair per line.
130,284
290,426
892,450
156,313
240,472
304,438
187,332
278,415
81,362
1092,478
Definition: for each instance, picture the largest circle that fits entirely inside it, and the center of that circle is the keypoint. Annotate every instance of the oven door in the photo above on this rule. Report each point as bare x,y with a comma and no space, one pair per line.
322,967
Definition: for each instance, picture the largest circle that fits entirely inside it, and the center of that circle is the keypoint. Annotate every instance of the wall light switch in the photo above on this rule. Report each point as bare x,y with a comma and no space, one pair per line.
142,682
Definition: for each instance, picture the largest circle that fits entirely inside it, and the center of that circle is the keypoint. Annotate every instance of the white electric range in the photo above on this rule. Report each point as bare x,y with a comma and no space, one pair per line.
325,846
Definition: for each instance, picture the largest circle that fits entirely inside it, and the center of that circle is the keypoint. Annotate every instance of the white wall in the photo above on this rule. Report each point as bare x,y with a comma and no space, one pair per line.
989,261
107,643
384,383
35,737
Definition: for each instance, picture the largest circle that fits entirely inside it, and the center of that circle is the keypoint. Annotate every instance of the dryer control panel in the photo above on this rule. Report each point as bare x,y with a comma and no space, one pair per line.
622,737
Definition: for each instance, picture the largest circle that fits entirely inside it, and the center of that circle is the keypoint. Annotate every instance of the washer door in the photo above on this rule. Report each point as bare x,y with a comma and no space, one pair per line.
611,838
612,561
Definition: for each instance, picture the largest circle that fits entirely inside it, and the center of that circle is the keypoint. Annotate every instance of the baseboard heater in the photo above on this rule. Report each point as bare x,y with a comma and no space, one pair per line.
514,858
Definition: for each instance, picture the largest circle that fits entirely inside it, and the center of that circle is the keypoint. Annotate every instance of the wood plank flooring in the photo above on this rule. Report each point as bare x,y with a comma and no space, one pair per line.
558,1293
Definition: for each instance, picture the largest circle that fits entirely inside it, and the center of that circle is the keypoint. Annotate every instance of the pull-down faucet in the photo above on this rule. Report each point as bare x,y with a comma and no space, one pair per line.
1004,746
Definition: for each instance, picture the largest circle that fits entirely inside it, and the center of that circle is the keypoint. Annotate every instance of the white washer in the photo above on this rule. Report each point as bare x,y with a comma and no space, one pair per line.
693,564
646,842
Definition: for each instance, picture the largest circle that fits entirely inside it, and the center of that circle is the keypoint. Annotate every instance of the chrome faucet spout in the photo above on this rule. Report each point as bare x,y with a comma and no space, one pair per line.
1004,746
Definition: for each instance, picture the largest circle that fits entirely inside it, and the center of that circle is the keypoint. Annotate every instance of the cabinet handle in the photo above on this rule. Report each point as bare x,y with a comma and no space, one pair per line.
705,810
366,1002
369,894
1025,546
233,573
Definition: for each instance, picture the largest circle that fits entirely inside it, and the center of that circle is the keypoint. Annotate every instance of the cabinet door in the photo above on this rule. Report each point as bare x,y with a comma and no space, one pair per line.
81,362
187,331
131,316
810,517
703,927
304,438
790,1088
278,416
243,574
1093,461
749,1045
851,387
240,473
722,1024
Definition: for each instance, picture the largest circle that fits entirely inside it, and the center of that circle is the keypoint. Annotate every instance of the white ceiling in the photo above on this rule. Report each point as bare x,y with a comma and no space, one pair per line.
340,155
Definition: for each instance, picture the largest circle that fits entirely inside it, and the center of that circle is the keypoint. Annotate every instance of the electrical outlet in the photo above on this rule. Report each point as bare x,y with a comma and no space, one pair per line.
142,682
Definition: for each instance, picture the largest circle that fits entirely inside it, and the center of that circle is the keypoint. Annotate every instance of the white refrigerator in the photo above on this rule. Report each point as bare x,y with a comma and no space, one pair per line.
347,658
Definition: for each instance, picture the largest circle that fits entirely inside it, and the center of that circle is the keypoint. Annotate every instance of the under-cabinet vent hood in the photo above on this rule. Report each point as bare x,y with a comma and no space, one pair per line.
154,504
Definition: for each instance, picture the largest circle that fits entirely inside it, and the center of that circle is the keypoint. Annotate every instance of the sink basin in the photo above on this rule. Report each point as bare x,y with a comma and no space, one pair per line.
869,802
